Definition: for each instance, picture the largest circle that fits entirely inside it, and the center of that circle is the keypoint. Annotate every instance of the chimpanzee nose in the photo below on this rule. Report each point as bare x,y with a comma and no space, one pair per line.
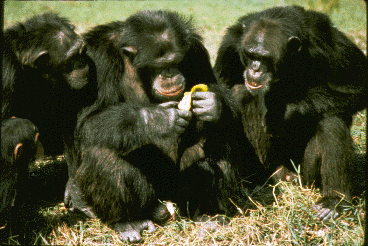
170,72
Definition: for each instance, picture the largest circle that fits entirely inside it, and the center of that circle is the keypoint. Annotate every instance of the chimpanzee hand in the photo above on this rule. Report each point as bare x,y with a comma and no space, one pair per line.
206,106
166,119
180,118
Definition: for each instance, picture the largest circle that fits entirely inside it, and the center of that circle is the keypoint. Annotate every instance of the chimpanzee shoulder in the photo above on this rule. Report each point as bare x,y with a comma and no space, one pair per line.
137,146
298,81
46,77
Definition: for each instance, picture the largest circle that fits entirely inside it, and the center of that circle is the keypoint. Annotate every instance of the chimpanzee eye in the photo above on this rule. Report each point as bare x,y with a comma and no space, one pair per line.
73,63
245,59
160,53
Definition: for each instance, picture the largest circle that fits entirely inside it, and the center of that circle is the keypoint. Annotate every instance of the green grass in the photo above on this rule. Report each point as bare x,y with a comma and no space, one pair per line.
287,221
211,17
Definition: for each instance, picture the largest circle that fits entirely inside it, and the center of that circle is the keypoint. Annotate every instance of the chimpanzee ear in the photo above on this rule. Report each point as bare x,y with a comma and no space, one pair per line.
40,151
130,52
18,151
42,59
294,44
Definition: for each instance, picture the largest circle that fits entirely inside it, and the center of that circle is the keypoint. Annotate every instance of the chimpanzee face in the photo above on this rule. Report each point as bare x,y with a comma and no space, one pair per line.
168,84
75,67
66,55
262,48
57,52
160,66
157,55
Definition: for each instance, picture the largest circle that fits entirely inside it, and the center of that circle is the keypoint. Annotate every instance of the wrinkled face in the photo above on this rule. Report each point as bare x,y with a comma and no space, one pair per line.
61,55
159,66
56,51
69,56
168,84
262,48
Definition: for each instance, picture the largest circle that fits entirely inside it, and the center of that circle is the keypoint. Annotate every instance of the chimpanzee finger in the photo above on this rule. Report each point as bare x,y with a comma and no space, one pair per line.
204,99
202,114
202,95
202,104
186,115
197,111
171,104
207,113
179,129
182,122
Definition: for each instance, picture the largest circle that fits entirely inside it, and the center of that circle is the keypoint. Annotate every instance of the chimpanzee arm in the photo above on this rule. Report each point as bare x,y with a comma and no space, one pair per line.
342,88
322,100
216,105
222,121
126,127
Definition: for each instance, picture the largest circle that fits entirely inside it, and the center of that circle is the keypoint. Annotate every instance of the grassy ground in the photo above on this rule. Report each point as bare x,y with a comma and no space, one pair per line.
287,221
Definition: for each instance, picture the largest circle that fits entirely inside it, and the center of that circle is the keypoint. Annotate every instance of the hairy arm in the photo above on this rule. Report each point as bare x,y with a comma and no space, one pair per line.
126,127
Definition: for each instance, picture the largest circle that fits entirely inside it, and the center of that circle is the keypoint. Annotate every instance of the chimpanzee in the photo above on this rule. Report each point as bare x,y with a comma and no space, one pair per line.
19,147
298,81
25,189
46,76
134,147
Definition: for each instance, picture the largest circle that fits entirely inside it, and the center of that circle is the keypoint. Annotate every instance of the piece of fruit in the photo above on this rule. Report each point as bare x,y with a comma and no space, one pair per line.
199,87
186,102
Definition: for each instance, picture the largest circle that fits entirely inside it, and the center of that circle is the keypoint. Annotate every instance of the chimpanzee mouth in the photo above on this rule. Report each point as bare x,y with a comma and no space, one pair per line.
172,91
253,85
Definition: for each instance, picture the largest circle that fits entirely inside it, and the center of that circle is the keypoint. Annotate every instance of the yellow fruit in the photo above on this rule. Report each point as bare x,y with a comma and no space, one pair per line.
186,102
199,87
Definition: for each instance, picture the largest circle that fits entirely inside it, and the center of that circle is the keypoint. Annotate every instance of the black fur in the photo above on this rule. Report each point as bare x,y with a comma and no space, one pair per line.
134,147
24,190
14,171
298,81
45,77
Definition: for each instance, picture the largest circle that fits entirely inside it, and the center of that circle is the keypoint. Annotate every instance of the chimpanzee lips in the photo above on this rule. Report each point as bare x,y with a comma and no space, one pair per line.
171,91
253,85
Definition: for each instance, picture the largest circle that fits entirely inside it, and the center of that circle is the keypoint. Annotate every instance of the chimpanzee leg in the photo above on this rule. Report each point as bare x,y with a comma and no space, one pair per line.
120,193
74,200
329,160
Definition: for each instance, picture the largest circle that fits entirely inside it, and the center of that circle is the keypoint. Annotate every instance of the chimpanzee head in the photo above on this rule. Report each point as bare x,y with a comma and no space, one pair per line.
156,43
265,48
49,44
20,143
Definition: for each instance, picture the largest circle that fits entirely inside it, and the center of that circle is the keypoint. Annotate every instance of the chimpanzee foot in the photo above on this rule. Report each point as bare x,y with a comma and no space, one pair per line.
325,213
328,208
220,219
131,232
161,214
75,202
210,224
